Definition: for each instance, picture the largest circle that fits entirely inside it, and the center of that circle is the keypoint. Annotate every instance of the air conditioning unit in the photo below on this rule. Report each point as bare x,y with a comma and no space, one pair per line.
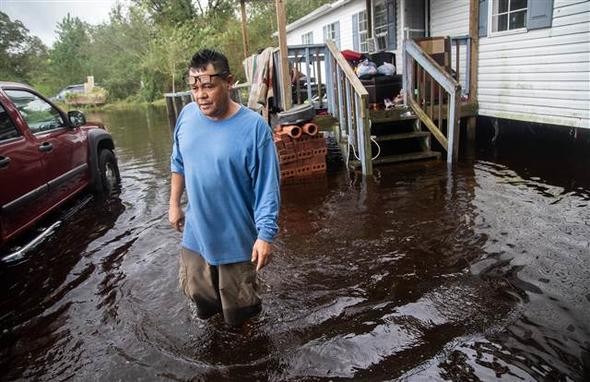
377,43
381,41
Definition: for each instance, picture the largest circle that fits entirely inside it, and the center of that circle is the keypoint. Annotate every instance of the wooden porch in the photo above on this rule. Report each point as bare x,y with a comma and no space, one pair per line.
432,107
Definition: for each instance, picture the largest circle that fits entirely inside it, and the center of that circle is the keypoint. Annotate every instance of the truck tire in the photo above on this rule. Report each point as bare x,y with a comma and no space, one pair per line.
108,172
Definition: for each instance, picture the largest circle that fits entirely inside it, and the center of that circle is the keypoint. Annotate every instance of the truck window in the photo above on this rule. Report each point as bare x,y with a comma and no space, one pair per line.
38,113
7,128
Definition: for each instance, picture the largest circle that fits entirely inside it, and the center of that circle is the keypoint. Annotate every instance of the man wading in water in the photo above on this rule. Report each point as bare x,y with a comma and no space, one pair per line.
225,157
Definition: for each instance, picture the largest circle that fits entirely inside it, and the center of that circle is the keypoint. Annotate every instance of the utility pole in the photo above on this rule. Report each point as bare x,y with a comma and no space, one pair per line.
244,28
283,54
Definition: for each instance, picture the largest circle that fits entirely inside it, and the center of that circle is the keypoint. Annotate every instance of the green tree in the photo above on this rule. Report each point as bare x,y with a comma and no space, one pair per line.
69,63
144,48
21,55
296,9
117,51
169,12
171,51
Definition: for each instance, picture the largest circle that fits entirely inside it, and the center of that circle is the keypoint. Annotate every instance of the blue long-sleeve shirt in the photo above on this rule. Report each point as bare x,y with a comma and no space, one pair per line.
231,174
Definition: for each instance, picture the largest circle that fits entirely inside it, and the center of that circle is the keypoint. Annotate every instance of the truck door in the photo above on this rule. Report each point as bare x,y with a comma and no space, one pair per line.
22,184
63,148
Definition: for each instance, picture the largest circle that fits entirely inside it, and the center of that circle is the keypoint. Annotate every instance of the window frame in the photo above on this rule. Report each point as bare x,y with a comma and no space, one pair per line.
19,133
384,16
56,111
330,28
492,33
363,34
307,36
385,24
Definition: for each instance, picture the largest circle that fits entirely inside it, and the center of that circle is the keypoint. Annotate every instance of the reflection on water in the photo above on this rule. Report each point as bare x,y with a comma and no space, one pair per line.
477,272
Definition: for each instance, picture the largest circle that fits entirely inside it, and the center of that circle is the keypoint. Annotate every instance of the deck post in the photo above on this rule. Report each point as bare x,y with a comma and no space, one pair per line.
308,71
319,76
408,75
177,103
365,134
350,111
472,63
330,72
341,106
244,28
186,99
405,82
170,111
470,128
453,118
283,55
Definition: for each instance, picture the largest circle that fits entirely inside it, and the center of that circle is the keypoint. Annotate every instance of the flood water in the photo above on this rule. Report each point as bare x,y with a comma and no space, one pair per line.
477,272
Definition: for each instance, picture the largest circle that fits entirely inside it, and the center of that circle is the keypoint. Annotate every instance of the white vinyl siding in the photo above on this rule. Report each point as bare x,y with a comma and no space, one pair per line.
542,75
342,14
450,18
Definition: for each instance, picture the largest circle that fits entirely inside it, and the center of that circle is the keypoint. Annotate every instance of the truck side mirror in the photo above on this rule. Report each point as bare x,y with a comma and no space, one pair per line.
76,118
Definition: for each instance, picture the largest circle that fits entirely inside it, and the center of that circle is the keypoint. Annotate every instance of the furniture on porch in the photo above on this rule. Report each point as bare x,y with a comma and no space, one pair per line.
381,87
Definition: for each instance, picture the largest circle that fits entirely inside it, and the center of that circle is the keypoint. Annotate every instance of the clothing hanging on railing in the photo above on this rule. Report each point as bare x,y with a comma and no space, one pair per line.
259,70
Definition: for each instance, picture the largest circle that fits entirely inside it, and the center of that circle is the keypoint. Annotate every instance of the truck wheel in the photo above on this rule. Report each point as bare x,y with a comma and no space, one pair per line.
109,172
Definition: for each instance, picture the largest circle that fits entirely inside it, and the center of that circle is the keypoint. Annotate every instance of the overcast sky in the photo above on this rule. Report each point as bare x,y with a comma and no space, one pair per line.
41,16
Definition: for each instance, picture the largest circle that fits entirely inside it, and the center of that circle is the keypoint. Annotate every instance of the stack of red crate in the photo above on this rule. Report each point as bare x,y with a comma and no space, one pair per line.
302,151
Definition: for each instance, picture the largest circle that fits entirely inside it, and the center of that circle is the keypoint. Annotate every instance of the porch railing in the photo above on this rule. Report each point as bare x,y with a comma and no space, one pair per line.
461,61
434,95
348,103
308,60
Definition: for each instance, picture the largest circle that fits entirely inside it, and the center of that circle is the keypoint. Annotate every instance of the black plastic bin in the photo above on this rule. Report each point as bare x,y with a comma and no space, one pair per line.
381,87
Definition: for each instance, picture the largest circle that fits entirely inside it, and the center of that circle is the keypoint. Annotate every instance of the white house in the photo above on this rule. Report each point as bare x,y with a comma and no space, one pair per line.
536,68
345,22
533,56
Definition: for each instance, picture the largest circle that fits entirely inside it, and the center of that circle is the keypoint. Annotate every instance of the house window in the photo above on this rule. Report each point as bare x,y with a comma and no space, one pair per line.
384,24
508,15
332,32
307,38
380,19
363,31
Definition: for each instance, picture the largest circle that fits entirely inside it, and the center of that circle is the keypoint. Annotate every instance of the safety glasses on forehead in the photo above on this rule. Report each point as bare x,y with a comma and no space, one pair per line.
204,79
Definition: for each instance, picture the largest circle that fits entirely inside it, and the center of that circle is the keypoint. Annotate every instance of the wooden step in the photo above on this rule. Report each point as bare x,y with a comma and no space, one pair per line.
398,136
401,158
392,115
407,157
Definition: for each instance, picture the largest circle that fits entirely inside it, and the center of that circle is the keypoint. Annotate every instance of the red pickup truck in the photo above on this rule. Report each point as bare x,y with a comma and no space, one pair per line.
47,156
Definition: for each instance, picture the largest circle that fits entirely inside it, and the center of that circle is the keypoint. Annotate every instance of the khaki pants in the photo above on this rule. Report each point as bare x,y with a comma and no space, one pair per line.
229,289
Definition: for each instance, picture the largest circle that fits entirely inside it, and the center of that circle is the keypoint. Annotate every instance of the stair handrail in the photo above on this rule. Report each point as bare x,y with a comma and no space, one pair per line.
350,105
348,72
414,53
432,67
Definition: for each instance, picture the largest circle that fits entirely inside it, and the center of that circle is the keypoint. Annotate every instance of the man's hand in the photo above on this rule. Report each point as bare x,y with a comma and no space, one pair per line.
176,218
261,253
